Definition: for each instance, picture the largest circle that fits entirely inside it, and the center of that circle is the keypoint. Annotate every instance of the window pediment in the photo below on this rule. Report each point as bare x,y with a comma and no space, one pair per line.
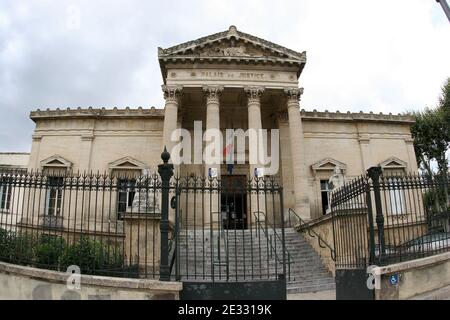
56,161
393,163
127,163
328,164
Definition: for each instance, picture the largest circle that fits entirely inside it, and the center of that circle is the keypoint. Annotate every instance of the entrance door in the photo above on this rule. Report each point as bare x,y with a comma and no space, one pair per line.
234,201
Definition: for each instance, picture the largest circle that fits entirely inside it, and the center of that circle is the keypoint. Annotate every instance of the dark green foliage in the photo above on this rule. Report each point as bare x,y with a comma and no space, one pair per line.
91,256
431,134
22,247
16,247
49,251
52,252
5,245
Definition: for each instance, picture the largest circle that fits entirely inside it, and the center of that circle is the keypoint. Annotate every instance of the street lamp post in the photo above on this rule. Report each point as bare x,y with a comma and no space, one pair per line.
446,8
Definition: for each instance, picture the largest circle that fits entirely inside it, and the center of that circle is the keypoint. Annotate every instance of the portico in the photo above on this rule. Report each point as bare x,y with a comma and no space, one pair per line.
232,80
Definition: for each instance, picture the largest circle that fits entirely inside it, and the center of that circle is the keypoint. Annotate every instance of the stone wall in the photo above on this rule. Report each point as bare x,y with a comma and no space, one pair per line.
95,139
324,228
415,277
14,160
26,283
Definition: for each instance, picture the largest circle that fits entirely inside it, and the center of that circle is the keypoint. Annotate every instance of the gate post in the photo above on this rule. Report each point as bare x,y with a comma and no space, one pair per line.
165,170
374,174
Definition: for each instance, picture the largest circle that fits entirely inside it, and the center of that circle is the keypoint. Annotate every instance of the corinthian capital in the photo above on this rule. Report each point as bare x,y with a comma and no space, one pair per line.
172,93
254,93
293,94
212,92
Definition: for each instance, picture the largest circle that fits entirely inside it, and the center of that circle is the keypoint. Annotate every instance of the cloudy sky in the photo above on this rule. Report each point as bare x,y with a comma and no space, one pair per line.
381,56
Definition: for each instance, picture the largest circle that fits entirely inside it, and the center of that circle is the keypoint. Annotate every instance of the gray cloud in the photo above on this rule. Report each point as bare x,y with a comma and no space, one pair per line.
355,60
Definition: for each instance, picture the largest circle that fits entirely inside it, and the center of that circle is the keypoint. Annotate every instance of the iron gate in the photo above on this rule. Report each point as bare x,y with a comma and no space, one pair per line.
228,238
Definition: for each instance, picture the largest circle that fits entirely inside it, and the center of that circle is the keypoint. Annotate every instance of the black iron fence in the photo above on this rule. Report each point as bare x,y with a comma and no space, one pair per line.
228,229
105,224
151,225
383,219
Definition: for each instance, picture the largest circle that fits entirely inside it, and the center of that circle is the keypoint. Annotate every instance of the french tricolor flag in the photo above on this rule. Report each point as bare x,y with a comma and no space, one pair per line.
228,150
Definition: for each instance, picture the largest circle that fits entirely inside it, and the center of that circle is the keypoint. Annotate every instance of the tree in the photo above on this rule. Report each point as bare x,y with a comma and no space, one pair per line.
444,103
431,133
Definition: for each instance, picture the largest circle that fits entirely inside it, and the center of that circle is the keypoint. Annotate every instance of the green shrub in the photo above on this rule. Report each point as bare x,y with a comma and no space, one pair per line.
49,251
5,245
91,256
52,252
22,244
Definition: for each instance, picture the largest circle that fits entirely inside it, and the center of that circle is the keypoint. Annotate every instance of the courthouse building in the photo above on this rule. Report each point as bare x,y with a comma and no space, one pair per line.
228,80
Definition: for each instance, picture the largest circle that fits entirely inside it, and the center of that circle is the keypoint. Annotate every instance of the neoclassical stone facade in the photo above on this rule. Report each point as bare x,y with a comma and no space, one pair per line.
228,80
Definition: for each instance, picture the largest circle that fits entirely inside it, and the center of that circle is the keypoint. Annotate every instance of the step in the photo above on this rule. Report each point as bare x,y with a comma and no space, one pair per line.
312,288
247,252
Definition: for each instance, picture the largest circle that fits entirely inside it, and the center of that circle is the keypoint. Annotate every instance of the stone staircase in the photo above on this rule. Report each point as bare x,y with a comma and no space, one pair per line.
248,255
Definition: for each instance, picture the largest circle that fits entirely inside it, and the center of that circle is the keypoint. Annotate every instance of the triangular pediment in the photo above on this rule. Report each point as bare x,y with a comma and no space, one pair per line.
56,161
231,46
393,162
232,43
328,164
127,163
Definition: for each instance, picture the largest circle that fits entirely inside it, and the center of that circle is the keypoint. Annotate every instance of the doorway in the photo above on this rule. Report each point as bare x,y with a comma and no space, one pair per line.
233,199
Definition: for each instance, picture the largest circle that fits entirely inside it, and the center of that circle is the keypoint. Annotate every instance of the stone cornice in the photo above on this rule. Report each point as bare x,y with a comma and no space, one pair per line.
355,116
96,113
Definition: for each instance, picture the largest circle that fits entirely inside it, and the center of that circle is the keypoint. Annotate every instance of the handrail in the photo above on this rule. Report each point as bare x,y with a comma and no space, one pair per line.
222,232
320,240
258,223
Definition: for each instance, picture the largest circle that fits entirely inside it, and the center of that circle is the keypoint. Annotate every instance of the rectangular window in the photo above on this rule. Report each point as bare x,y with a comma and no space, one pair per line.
126,194
5,196
325,191
54,196
396,200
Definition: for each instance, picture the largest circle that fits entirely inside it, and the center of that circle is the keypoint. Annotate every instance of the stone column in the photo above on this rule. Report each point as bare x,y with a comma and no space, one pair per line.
299,172
172,95
84,163
255,145
33,163
412,164
364,146
212,204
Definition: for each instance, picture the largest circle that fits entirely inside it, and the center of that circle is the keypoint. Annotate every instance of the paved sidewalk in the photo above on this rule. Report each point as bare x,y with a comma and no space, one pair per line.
319,295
